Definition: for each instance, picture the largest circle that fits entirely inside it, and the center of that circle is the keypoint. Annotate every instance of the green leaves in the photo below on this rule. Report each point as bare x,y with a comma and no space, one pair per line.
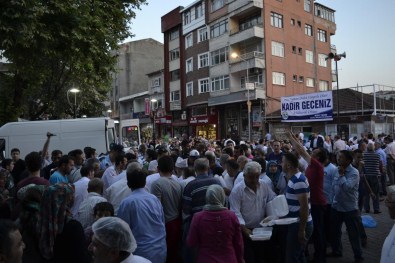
55,45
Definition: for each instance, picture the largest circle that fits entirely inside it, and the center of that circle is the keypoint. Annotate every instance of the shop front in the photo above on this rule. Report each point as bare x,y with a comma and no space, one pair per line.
180,124
163,127
204,126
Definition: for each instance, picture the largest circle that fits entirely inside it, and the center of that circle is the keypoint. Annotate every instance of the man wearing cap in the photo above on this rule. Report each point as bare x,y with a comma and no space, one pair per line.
193,155
113,242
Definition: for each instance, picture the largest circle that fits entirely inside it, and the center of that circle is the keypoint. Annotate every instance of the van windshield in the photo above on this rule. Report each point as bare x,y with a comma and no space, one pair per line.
111,135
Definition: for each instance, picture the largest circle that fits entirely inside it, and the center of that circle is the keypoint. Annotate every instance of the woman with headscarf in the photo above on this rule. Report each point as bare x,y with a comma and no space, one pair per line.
61,238
216,230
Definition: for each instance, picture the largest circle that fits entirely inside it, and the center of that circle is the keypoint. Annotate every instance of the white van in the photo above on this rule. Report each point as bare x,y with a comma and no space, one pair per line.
130,131
70,134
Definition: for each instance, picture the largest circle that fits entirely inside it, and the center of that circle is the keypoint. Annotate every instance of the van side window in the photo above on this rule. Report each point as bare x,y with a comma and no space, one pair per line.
2,149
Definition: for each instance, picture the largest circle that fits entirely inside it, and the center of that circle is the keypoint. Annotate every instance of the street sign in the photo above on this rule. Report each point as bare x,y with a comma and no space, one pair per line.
250,85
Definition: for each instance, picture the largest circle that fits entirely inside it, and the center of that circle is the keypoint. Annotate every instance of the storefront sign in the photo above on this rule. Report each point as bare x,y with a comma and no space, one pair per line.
163,120
202,120
256,117
307,107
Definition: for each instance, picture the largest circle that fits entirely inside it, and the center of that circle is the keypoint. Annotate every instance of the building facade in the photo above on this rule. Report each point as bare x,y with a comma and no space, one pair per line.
227,60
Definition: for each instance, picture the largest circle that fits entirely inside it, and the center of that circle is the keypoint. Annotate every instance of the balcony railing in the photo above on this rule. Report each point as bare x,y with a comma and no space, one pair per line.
156,89
238,36
254,59
240,6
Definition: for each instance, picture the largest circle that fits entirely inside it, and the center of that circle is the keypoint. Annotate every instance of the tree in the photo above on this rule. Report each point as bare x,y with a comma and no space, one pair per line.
55,45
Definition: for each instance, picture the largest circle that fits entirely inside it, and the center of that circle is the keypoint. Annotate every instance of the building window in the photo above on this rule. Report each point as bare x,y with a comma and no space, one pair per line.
202,34
174,34
155,83
301,79
322,60
310,82
294,78
217,4
219,28
292,22
199,11
187,17
219,56
189,89
299,23
174,54
188,41
324,85
174,96
294,49
308,29
175,75
309,57
321,35
220,83
300,51
250,22
276,20
307,5
278,78
203,60
277,49
189,65
204,85
325,13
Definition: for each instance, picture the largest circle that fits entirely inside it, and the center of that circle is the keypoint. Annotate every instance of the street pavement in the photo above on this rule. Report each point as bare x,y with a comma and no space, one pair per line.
376,237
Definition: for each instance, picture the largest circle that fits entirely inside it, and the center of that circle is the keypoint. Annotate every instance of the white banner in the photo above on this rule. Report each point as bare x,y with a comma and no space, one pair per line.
307,107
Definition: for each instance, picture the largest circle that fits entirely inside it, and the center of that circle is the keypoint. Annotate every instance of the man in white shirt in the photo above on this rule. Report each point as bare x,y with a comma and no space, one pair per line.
86,210
248,200
114,173
338,145
120,190
81,188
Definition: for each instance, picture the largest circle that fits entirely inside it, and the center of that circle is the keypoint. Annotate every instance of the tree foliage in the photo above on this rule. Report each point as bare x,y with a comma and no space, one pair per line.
55,45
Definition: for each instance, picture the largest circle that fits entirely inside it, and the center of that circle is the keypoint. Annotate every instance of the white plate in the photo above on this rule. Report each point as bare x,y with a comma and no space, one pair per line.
286,221
260,237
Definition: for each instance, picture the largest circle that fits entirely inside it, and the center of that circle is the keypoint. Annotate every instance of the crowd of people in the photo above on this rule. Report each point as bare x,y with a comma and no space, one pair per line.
193,200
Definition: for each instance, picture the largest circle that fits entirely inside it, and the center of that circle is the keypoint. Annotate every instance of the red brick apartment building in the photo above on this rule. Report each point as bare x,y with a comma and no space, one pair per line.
212,46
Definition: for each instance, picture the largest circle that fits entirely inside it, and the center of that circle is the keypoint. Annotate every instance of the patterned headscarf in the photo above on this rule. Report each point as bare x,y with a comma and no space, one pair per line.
55,207
215,198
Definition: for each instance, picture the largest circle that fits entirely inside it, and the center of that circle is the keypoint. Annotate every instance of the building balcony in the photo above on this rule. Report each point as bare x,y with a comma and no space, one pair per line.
244,7
252,32
175,105
246,61
155,90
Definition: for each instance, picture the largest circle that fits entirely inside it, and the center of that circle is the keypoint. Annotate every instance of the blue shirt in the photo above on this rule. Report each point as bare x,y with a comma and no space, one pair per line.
383,156
105,162
57,177
329,173
345,189
144,214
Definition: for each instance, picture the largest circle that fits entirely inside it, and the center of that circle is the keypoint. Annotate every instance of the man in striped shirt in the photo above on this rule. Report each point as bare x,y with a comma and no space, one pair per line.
297,195
372,172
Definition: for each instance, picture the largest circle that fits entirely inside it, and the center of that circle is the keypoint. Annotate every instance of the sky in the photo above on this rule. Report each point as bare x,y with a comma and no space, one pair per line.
365,31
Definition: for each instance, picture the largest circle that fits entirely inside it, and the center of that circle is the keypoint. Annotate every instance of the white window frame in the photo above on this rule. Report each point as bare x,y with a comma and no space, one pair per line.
189,89
173,95
223,82
189,40
222,52
278,78
189,65
307,5
207,60
308,30
276,20
322,60
321,35
310,82
323,85
174,34
199,11
309,56
202,34
222,27
187,17
207,85
174,54
217,4
277,49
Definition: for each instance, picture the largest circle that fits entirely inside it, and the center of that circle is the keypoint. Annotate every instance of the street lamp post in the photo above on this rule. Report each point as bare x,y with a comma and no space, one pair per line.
75,91
336,58
247,86
153,125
